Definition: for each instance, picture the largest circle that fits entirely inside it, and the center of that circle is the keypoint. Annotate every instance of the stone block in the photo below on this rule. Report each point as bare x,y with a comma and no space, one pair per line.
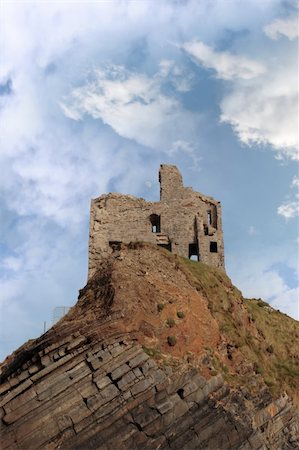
158,376
5,387
120,371
16,414
145,417
109,393
50,368
46,360
137,372
64,421
79,412
18,390
195,397
78,342
116,350
141,386
138,360
20,400
126,381
148,365
33,369
165,406
180,408
102,382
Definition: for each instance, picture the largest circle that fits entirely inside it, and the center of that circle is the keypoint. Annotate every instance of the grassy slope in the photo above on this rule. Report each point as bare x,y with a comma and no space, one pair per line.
256,332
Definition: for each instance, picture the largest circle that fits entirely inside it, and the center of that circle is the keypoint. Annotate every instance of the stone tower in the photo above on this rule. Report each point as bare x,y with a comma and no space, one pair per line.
183,221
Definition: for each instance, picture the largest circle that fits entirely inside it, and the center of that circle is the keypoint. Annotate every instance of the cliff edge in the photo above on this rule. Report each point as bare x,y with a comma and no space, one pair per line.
158,353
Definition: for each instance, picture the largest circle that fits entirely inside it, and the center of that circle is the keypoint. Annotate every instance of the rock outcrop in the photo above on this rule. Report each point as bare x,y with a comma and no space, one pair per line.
131,366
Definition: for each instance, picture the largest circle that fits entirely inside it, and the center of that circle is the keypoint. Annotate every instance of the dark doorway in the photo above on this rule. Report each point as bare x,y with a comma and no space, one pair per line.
167,246
156,223
213,247
193,252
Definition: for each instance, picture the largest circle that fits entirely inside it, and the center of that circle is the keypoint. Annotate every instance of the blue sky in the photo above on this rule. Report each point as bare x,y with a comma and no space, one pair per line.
94,96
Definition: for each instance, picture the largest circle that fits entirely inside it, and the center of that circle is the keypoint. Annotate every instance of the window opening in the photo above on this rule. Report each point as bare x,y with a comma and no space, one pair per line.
206,230
209,217
213,247
167,246
115,245
156,223
193,252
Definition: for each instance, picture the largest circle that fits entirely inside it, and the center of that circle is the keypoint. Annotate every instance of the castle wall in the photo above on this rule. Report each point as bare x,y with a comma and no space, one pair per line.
186,220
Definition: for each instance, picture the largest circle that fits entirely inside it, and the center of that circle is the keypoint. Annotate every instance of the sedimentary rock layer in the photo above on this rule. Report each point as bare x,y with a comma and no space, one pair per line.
91,382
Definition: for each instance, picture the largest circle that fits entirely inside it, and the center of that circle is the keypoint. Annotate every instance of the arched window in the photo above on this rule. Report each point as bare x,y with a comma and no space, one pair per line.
156,223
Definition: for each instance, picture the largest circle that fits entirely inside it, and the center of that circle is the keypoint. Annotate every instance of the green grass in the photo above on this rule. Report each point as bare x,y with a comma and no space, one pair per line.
160,307
266,338
171,340
152,352
170,322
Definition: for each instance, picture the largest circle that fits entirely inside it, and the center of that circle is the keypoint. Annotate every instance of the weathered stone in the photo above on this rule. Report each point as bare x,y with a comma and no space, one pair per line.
147,366
138,360
18,390
141,386
78,342
102,382
126,381
165,406
183,221
109,393
120,371
144,415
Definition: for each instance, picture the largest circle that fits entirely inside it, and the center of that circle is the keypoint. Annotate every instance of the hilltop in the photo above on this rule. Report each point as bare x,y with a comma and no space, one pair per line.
158,352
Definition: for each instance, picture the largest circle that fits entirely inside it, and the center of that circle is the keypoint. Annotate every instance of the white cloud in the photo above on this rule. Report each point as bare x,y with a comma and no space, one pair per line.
287,27
131,103
287,301
262,101
290,208
181,146
295,182
11,263
226,65
265,110
10,289
165,66
252,231
258,281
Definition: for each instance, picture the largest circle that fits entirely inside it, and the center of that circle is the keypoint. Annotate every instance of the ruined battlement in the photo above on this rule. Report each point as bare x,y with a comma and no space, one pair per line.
185,222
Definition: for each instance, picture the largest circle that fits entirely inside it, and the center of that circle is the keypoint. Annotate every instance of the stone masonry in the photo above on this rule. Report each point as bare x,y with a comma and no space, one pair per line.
185,222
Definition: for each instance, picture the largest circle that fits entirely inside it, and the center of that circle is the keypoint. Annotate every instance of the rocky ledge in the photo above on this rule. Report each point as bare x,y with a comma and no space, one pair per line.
91,383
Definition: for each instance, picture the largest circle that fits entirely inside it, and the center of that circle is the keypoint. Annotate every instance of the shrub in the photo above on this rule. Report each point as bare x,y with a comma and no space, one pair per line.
153,352
170,322
180,314
261,303
171,340
160,307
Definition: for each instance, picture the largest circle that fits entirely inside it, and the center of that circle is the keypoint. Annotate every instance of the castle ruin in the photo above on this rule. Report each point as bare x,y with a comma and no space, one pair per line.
185,222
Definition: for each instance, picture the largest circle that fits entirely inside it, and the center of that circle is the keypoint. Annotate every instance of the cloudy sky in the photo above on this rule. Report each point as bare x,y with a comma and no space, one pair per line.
94,96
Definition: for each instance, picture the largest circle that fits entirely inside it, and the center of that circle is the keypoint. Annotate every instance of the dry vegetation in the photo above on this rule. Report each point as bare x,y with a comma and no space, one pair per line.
255,332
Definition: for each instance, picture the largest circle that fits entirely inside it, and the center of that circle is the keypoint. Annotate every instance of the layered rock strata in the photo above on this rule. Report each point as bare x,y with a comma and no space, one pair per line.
89,382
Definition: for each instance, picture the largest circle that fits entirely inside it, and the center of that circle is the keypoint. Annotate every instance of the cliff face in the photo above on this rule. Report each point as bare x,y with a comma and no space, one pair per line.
156,354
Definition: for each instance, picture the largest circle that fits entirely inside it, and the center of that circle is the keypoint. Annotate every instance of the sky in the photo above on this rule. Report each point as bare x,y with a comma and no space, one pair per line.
94,96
